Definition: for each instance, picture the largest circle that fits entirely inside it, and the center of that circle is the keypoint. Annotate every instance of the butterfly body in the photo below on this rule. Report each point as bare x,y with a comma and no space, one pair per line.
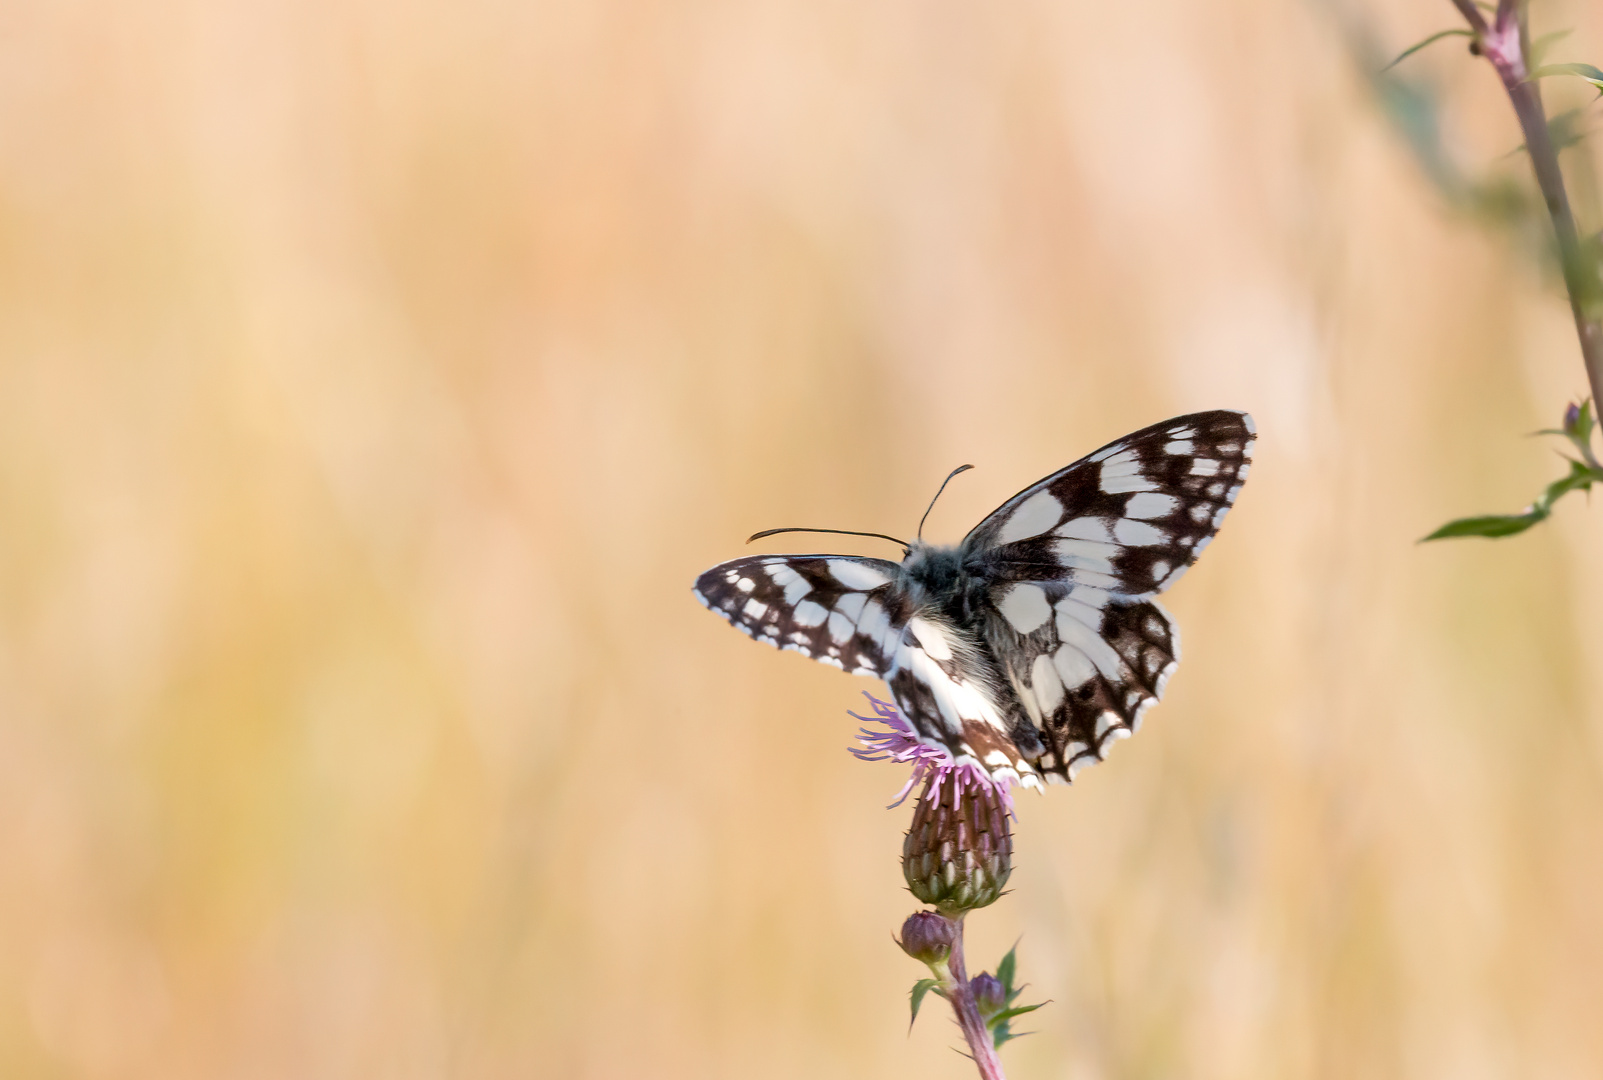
1032,646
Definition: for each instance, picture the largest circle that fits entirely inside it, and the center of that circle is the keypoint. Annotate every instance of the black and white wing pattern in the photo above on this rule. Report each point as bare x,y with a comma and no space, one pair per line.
1072,564
1031,647
838,609
871,617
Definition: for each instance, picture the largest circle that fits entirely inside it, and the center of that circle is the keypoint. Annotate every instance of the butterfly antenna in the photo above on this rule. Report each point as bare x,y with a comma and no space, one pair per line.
948,480
842,532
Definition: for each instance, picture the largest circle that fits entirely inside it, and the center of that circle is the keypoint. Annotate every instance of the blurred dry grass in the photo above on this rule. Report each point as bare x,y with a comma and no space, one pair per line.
376,376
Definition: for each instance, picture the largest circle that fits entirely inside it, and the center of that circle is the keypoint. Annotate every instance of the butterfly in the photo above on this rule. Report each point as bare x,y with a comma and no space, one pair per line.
1038,642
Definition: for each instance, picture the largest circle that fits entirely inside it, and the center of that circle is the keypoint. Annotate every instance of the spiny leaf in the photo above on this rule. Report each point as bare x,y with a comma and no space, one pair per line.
1018,1010
920,988
1437,36
1004,972
1002,1033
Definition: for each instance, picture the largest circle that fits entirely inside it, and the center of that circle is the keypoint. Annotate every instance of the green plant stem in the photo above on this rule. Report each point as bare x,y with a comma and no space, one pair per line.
1504,44
981,1046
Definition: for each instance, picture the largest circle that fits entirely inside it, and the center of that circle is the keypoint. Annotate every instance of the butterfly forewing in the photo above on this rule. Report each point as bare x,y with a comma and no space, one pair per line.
1129,518
837,609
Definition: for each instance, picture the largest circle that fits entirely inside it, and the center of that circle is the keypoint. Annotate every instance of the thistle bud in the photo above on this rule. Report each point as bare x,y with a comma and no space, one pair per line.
928,936
958,854
989,993
1572,419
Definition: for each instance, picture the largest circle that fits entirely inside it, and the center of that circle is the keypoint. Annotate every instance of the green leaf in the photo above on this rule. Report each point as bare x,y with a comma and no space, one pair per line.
1580,71
1003,1032
1004,972
1437,36
920,988
1491,525
1580,478
1581,431
1018,1010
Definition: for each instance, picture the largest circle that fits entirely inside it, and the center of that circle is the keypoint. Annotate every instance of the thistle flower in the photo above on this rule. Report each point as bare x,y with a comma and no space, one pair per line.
958,853
900,743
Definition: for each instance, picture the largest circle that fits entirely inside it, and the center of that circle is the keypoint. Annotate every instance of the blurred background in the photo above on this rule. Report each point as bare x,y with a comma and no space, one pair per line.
376,377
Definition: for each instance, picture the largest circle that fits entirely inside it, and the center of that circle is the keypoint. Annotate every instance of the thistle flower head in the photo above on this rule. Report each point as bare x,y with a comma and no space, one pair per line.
958,853
900,743
959,850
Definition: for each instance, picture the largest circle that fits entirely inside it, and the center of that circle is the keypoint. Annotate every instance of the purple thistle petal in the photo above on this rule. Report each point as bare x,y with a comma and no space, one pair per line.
900,743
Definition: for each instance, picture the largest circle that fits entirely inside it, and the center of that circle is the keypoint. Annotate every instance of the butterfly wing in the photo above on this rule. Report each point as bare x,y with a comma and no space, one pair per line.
850,612
1072,564
836,609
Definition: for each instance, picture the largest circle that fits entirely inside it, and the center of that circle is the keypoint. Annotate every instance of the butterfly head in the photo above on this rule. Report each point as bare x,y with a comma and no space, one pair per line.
932,569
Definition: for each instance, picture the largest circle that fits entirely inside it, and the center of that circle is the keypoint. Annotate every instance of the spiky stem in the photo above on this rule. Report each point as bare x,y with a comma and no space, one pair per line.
958,991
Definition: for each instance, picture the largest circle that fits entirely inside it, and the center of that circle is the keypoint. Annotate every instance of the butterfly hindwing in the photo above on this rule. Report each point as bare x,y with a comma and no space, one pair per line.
1085,674
837,609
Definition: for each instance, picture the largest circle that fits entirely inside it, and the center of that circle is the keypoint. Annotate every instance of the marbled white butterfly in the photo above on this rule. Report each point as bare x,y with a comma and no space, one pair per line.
1032,646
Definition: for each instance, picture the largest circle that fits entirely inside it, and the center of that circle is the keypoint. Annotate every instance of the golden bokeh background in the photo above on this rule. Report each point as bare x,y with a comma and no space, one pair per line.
375,378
